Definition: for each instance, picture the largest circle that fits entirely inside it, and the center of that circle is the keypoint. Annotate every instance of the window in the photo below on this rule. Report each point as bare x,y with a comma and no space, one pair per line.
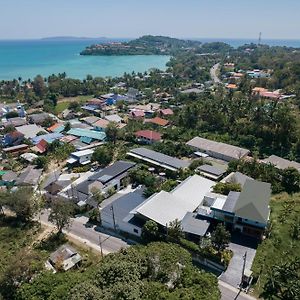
135,231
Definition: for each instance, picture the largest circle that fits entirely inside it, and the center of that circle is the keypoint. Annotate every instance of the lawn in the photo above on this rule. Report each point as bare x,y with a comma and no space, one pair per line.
279,246
64,102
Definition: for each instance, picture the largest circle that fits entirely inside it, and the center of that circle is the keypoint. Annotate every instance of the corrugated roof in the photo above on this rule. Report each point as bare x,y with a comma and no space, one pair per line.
96,135
149,134
281,163
231,151
191,224
160,158
211,170
230,202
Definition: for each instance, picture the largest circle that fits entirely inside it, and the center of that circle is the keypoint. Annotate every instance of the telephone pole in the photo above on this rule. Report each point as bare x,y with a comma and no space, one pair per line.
244,266
113,215
259,39
100,243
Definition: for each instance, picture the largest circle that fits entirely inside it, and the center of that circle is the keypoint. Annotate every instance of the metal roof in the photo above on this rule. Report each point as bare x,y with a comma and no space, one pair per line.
230,202
281,163
227,150
211,170
96,135
191,224
253,203
160,158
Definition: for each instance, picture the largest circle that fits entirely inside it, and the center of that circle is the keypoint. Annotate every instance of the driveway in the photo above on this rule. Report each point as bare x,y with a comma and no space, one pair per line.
213,73
239,246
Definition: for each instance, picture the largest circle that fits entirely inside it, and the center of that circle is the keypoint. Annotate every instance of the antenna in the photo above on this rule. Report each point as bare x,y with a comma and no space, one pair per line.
259,39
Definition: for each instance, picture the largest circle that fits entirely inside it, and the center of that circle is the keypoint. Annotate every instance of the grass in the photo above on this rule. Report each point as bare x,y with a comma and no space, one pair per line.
279,246
64,102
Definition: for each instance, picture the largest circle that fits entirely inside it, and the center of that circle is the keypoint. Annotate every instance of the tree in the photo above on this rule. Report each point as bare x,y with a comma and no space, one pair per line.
175,230
67,127
220,237
150,231
11,114
24,203
291,180
103,155
39,86
61,214
41,162
97,195
226,188
112,132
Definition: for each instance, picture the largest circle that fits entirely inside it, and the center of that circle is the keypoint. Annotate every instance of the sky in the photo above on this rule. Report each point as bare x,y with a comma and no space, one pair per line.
20,19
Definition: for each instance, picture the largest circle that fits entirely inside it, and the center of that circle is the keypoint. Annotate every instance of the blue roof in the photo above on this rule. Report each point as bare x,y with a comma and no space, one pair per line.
49,138
86,140
93,134
59,129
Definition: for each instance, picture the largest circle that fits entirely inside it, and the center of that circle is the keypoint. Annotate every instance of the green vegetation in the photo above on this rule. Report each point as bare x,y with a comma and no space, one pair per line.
276,265
146,45
226,188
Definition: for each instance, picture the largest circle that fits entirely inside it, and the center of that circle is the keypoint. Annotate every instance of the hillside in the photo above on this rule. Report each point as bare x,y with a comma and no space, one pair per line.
146,45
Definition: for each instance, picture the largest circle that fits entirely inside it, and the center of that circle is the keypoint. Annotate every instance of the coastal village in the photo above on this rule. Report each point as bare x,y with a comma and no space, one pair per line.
107,156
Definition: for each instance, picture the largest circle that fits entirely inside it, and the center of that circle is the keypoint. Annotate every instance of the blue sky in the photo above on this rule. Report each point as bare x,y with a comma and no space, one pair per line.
133,18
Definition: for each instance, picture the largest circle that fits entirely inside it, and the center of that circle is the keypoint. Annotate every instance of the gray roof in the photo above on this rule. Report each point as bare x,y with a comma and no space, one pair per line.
30,131
209,146
123,205
52,177
192,90
17,121
230,202
211,170
239,178
190,224
113,118
9,176
29,176
39,118
253,203
160,158
281,163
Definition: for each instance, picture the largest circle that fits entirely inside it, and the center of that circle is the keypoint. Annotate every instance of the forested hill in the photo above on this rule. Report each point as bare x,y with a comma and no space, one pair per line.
146,45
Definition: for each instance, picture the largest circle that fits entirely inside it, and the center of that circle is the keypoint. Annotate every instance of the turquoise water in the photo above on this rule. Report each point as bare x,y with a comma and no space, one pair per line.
26,59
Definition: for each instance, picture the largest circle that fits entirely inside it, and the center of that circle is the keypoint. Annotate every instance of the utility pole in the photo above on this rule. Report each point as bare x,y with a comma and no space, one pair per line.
259,39
100,243
244,266
113,215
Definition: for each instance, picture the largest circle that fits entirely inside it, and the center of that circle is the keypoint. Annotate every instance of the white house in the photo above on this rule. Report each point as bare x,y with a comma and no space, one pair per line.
82,157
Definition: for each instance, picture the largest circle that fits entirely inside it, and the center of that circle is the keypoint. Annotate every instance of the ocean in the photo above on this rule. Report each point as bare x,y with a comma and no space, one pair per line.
28,58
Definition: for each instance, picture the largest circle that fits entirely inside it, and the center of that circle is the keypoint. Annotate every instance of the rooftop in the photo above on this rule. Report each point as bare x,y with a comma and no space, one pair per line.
227,150
149,134
281,163
96,135
159,159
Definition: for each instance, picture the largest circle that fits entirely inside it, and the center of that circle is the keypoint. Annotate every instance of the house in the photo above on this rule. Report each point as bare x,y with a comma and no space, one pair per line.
231,86
91,120
16,150
49,137
165,207
57,127
30,131
147,136
157,121
56,182
40,147
87,136
281,163
166,112
111,177
81,157
101,125
39,118
15,122
133,95
159,159
211,172
236,177
13,138
137,114
246,212
29,157
258,74
114,118
8,178
29,177
117,213
218,150
65,258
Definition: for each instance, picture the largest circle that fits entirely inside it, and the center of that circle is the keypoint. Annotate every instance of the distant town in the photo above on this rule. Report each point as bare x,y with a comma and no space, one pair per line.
204,156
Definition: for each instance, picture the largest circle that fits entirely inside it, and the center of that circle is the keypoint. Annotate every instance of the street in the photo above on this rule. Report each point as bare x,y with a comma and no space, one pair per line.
89,235
230,293
213,73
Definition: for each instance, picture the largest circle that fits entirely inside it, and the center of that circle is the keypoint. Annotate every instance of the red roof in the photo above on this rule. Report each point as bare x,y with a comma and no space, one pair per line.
41,146
167,112
15,134
138,113
149,134
158,121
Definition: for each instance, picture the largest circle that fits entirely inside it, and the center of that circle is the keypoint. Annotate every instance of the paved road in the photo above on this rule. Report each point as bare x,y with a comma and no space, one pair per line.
213,73
89,235
230,293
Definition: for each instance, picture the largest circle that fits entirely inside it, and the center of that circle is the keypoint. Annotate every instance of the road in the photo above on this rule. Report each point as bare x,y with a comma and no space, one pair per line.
89,235
230,293
213,73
